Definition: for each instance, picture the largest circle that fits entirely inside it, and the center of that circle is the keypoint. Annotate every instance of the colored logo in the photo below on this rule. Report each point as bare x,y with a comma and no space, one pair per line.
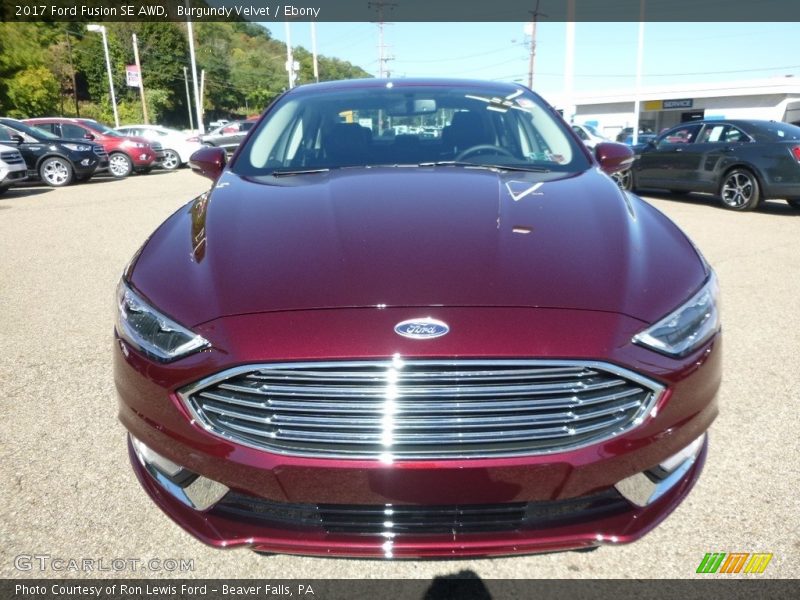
734,562
422,329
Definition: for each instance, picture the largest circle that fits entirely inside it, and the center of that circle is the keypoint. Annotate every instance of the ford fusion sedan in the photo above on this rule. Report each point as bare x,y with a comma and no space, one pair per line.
361,343
56,161
743,162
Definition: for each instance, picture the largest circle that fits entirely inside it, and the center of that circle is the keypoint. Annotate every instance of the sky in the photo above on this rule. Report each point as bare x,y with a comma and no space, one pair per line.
605,53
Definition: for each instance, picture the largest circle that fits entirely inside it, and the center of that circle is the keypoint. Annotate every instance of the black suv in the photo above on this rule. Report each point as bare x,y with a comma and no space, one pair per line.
56,161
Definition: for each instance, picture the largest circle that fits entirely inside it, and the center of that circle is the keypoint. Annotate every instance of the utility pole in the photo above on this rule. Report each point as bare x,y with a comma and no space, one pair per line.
569,63
202,93
141,79
637,105
188,98
198,109
101,29
532,26
290,64
380,5
72,70
314,49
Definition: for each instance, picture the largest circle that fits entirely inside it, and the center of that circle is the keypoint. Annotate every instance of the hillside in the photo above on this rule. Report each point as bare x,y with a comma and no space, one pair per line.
244,70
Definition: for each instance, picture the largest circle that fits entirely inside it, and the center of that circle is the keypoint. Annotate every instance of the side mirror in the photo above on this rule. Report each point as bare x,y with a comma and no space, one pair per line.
208,162
17,138
88,136
613,157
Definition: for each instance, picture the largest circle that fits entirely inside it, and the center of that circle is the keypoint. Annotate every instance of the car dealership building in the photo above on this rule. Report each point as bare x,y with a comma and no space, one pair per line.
666,106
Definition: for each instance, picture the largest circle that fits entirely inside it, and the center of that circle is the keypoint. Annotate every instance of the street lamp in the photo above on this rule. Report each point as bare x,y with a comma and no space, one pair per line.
102,30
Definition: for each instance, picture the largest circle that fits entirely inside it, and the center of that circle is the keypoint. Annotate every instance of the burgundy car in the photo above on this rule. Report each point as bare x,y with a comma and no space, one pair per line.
366,341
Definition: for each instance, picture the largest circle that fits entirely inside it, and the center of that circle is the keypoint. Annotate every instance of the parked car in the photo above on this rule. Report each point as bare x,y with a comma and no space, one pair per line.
178,146
742,161
12,168
589,135
54,160
125,153
346,347
228,136
218,123
628,132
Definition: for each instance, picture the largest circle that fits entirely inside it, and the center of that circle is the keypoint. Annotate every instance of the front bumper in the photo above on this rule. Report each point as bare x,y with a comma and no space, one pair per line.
152,412
617,522
10,177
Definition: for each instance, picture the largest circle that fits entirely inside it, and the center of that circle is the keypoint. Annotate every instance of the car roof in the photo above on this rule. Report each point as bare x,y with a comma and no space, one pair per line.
375,82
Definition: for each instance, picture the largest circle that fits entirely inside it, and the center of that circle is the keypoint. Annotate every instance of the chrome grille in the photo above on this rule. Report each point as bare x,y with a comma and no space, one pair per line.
421,409
11,157
100,151
156,146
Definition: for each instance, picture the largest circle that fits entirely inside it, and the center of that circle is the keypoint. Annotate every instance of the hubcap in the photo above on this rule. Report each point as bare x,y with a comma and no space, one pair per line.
170,160
56,172
118,165
738,190
623,179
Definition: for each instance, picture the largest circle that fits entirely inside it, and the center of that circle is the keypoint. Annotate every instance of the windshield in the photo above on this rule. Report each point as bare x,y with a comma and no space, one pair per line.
777,131
34,132
104,129
410,125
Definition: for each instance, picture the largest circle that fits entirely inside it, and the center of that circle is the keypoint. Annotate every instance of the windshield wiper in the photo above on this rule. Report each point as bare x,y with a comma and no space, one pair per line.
458,163
298,172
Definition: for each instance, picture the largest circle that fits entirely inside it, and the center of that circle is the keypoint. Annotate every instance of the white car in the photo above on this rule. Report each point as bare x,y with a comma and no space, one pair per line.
589,135
178,146
12,168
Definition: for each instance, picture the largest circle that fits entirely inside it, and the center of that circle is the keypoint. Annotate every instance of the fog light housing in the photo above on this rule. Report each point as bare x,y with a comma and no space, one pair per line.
645,488
85,162
193,490
143,157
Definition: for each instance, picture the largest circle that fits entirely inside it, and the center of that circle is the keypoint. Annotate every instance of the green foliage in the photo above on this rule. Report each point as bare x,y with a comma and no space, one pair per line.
31,92
244,69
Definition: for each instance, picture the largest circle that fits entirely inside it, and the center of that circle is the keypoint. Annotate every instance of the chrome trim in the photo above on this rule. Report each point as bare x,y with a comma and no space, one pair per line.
641,490
378,420
201,493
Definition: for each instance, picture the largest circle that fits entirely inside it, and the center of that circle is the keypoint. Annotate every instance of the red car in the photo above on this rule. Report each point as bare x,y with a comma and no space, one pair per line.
125,153
369,343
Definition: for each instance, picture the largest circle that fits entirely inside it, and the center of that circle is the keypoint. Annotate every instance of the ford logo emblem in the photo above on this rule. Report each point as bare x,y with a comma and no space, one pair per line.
422,329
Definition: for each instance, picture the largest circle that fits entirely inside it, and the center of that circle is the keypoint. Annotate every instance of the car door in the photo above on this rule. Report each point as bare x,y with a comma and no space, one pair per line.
725,148
668,162
709,153
71,131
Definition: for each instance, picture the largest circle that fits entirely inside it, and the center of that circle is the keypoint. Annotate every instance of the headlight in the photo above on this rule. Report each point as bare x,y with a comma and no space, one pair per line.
687,327
152,332
78,147
138,145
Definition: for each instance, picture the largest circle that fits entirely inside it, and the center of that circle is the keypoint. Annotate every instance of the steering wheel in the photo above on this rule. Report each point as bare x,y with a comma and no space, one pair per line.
482,148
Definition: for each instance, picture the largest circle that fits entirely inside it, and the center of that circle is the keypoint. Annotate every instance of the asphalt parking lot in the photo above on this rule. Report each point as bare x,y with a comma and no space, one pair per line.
69,491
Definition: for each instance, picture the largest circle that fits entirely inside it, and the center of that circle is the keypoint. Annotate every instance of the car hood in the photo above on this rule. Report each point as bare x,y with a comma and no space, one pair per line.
439,236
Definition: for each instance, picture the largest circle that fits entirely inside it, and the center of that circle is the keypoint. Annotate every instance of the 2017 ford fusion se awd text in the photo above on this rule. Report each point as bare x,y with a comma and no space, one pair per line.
367,340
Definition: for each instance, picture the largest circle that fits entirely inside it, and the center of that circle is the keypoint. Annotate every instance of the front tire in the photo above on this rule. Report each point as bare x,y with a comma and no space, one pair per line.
119,165
56,171
171,160
740,190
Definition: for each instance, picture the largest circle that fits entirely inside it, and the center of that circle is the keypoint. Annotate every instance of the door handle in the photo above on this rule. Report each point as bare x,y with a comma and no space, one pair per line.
728,149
